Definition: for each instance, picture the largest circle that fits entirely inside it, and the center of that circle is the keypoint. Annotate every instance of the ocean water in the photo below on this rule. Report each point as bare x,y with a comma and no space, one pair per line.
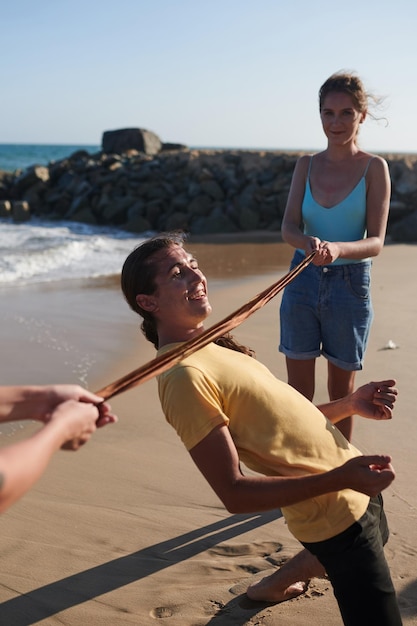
40,251
72,337
20,156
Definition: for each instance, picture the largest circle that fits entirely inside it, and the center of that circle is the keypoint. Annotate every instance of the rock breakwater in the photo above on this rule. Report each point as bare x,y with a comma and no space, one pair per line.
200,191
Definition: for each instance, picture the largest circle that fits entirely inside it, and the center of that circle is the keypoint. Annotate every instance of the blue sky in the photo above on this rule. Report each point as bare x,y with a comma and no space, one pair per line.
221,73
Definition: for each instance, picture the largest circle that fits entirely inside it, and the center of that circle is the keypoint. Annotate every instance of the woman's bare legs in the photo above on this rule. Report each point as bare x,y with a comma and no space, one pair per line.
289,581
340,383
301,376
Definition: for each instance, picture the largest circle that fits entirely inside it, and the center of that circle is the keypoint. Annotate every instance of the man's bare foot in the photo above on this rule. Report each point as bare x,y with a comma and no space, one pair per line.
266,590
289,581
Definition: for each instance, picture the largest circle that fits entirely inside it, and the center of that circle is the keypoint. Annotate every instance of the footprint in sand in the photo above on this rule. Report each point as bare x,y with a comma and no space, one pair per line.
214,607
210,607
249,557
271,553
246,549
161,612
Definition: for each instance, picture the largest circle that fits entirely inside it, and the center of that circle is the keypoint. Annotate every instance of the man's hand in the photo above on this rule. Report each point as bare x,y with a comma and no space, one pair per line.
375,400
367,474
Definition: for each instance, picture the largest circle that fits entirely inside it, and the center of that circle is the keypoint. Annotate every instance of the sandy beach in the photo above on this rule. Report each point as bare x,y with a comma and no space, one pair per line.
126,531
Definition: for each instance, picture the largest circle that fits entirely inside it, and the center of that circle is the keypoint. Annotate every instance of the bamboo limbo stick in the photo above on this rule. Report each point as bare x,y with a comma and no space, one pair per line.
165,361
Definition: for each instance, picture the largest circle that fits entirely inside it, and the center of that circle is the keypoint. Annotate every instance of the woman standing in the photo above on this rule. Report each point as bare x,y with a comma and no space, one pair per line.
338,206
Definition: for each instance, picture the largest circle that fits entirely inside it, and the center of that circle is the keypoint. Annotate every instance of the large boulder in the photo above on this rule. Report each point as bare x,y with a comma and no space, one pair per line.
30,176
119,141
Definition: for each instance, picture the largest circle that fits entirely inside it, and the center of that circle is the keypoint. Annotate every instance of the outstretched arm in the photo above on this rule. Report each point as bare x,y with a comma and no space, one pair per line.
374,400
70,416
37,402
217,459
23,463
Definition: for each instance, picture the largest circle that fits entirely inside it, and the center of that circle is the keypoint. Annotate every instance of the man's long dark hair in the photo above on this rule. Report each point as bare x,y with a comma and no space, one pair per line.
138,276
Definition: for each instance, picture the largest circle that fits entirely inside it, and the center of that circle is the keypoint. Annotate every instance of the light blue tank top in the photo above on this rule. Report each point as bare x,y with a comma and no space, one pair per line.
345,221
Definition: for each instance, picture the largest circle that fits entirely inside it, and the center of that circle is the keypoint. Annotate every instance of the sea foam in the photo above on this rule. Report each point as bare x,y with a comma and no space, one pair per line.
40,251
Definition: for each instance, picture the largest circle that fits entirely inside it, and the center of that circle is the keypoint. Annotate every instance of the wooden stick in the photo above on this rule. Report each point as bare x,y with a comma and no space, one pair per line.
165,361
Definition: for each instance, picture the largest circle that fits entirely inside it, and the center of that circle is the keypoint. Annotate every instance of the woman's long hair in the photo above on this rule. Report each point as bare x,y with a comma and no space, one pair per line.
351,84
138,276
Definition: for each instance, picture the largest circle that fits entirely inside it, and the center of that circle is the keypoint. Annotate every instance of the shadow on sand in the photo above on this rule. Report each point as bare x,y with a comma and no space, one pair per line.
39,604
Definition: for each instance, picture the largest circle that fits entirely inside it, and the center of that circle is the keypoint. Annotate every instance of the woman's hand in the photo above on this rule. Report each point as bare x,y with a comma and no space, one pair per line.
327,252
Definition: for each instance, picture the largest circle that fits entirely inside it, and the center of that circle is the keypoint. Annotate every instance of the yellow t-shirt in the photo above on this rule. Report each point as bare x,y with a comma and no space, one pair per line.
277,432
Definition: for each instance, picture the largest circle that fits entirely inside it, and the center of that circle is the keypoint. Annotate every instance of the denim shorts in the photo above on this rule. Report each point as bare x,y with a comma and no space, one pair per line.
327,311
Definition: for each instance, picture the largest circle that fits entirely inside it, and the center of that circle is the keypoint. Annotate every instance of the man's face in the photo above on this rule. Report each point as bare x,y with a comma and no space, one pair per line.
180,297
